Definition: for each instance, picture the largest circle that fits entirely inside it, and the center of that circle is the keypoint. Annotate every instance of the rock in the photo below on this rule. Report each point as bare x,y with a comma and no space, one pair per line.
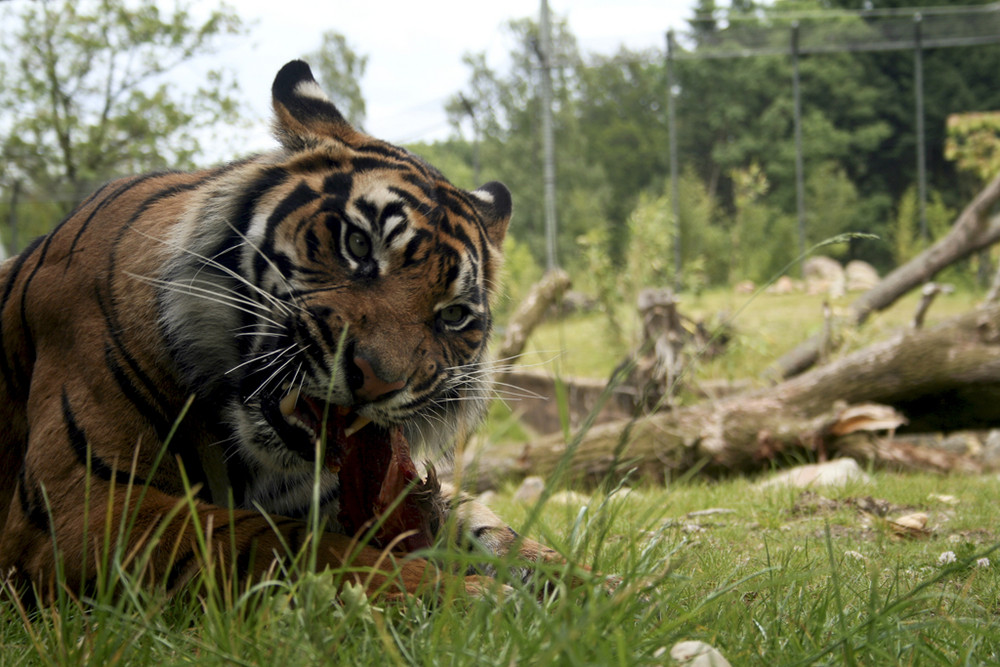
783,285
832,473
694,653
824,275
530,490
860,276
487,498
915,521
570,498
991,450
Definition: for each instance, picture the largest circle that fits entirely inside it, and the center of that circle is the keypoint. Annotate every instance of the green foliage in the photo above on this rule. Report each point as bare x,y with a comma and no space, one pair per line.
974,143
649,259
453,158
907,242
504,112
339,70
622,111
833,207
85,96
733,115
762,240
520,271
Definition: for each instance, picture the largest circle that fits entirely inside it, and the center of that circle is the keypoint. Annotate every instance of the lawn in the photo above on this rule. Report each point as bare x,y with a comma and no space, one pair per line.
766,326
768,576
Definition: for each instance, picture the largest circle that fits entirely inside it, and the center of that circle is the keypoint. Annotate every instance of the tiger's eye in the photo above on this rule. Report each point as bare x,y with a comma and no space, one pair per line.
359,245
452,314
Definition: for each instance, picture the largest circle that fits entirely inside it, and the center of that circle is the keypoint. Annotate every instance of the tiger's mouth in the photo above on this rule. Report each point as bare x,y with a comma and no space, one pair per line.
380,488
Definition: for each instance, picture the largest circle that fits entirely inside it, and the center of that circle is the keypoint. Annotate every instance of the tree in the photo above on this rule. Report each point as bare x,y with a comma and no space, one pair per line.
506,111
339,70
622,110
84,97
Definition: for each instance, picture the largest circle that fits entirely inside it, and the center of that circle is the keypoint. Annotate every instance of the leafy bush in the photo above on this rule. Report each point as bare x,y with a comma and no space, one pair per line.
907,243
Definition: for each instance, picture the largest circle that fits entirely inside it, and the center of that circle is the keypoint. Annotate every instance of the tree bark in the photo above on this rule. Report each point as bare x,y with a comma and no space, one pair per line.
972,231
531,312
943,378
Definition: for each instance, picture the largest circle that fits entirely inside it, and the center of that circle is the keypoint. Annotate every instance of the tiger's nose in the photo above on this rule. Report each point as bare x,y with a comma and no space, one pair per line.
371,387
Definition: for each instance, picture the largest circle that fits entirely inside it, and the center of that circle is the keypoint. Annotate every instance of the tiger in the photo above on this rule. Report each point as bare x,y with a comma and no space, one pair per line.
244,343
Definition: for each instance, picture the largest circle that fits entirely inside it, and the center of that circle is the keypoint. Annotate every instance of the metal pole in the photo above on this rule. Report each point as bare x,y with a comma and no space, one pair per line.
672,131
548,141
918,67
800,196
469,109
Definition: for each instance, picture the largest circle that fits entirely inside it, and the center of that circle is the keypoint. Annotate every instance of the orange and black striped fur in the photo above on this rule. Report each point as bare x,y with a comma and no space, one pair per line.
336,266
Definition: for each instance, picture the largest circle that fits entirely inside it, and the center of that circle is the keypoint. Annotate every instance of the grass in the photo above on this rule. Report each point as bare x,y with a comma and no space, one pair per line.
771,577
766,327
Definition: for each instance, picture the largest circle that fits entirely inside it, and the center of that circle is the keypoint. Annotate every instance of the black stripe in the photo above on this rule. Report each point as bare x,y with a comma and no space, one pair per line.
122,189
408,198
367,163
177,569
245,560
428,189
387,239
152,413
410,256
321,316
252,194
78,442
29,341
296,538
245,563
14,378
162,405
427,385
299,197
368,209
339,185
33,510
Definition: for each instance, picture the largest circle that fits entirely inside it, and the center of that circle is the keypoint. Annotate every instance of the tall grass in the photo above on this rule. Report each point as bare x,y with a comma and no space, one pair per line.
771,581
769,578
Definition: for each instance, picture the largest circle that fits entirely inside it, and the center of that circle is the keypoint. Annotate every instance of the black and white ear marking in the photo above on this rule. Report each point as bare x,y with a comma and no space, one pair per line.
495,206
302,110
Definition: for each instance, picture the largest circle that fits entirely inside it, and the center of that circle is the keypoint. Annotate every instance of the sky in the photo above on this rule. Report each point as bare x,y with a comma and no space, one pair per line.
415,49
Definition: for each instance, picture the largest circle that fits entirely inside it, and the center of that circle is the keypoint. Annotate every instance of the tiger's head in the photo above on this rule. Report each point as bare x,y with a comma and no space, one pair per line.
338,281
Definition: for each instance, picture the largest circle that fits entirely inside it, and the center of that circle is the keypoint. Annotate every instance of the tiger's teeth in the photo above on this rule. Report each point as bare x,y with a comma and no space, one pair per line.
356,426
287,405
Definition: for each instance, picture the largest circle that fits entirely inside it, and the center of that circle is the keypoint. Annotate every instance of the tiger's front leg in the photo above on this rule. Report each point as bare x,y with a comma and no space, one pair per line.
480,527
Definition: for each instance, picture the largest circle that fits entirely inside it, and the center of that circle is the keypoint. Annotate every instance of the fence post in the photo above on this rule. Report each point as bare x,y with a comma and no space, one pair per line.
672,131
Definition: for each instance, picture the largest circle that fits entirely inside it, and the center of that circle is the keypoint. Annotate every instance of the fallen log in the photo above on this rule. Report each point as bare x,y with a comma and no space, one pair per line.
972,231
531,312
943,378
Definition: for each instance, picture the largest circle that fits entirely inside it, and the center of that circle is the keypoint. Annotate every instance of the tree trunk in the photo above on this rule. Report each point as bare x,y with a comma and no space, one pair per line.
531,312
944,378
972,231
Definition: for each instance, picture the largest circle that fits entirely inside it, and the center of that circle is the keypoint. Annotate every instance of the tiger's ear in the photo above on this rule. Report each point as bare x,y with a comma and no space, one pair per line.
494,205
303,113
